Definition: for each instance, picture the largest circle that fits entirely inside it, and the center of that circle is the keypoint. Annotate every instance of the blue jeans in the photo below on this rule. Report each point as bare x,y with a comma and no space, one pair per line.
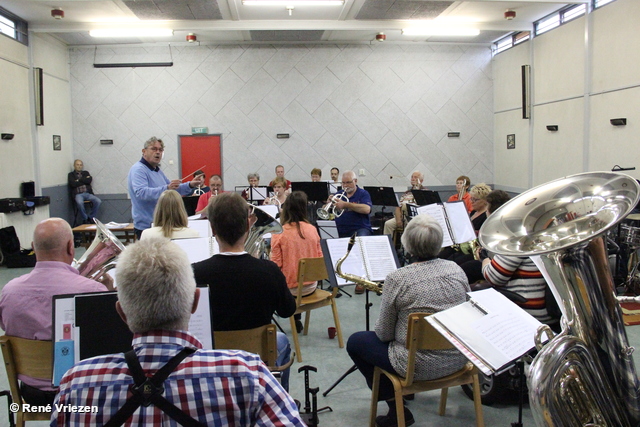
367,352
81,197
284,354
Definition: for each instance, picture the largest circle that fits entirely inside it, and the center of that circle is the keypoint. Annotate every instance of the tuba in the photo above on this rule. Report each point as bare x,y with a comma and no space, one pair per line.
329,211
585,375
100,257
264,224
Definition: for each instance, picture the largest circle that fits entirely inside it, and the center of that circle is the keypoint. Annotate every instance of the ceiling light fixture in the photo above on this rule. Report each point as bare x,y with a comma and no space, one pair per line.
293,2
440,31
131,32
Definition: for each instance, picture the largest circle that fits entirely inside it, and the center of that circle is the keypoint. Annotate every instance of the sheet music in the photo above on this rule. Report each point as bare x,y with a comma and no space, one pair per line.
352,265
328,229
334,188
258,193
378,258
199,248
459,221
510,336
543,269
200,322
201,226
437,213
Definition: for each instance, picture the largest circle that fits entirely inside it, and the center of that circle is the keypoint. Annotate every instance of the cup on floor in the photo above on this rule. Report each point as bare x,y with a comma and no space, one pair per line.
332,332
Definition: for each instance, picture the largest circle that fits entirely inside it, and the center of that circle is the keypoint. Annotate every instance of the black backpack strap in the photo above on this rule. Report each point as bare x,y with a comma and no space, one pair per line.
147,391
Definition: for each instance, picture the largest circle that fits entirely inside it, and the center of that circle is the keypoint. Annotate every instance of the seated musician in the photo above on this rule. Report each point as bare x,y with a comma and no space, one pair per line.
280,174
245,292
299,239
429,284
397,222
215,185
515,274
254,181
200,189
462,185
355,218
170,219
156,297
279,193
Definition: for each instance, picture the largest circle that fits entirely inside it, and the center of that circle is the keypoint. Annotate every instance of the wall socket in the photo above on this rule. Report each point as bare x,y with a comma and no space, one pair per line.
170,162
361,172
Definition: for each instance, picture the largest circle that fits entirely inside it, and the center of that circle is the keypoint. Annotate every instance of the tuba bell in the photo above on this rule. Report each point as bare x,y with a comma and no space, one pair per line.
100,257
264,224
584,376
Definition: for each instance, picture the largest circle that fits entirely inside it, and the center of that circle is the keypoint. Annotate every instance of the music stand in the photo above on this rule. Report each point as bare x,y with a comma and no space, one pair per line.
426,197
315,191
382,196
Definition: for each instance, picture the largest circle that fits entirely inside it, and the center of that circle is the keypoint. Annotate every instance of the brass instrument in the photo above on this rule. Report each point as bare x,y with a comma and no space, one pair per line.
474,249
100,257
584,376
264,224
462,190
329,210
367,284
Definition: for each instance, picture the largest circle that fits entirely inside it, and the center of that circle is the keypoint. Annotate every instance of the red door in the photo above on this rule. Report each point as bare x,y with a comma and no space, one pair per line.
200,152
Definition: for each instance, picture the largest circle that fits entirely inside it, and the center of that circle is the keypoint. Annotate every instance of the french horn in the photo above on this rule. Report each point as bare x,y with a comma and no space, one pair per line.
329,210
585,375
101,256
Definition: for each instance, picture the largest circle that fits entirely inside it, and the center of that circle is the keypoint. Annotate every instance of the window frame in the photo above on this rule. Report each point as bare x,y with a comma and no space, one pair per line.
21,27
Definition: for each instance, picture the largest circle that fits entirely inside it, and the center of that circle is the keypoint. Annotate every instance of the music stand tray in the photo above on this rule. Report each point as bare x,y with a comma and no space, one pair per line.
382,196
426,197
315,191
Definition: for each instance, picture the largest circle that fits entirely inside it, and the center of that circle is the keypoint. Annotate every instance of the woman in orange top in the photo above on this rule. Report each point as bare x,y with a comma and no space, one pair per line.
463,182
299,239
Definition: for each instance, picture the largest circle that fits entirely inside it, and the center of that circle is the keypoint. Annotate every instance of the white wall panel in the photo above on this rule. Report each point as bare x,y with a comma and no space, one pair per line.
512,166
507,88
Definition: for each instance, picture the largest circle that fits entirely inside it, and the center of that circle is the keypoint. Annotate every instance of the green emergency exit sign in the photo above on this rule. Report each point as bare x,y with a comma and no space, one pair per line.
199,130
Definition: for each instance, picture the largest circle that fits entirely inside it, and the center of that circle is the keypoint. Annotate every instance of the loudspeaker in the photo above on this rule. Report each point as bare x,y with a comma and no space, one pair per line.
7,136
526,91
619,122
28,189
552,128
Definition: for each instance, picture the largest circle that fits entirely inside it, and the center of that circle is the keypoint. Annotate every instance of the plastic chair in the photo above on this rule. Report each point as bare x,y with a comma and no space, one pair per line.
311,270
422,336
261,341
26,357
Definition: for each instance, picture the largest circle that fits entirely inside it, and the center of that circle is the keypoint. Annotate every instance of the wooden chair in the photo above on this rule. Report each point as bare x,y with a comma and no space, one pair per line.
422,336
310,270
27,357
261,341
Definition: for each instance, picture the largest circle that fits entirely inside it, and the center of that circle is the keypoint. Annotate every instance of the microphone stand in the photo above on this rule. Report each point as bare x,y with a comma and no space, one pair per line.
367,307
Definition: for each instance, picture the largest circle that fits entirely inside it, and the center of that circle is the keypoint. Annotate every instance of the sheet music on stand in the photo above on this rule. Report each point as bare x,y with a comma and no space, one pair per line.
492,331
371,257
201,226
79,333
258,194
334,188
328,229
199,248
454,221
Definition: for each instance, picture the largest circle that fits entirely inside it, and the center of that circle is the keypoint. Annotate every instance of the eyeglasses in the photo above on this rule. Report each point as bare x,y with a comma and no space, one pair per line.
347,182
154,149
473,199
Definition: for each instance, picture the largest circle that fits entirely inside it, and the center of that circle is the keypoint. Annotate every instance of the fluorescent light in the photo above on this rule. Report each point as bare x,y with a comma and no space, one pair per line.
131,32
293,2
440,31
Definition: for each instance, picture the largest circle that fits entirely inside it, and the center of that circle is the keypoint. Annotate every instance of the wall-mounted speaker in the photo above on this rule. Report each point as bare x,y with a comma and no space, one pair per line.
619,122
38,92
7,136
453,134
526,91
552,128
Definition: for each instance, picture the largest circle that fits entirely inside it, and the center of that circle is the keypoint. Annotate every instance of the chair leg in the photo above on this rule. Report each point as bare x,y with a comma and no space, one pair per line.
399,407
375,387
296,342
336,320
477,401
307,316
443,401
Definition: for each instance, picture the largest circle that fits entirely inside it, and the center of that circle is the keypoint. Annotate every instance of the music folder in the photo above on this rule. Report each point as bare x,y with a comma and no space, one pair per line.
489,329
454,221
371,257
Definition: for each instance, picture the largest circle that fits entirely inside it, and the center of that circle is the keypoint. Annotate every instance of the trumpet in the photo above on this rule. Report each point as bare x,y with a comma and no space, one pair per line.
329,210
367,284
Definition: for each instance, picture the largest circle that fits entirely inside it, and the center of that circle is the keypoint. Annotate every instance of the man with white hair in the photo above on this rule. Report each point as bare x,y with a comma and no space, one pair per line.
355,218
397,222
168,374
25,302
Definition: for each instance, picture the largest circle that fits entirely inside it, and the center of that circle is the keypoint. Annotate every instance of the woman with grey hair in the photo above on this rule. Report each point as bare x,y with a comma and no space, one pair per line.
254,180
429,284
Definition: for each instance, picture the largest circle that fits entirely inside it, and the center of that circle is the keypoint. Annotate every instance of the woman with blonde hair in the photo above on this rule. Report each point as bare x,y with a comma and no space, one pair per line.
170,219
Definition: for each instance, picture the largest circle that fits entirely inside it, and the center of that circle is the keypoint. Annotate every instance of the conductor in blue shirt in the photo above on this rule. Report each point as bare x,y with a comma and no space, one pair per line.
355,218
146,182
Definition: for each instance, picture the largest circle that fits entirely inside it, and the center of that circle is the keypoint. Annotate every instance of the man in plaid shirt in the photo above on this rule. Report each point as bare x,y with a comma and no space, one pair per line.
214,387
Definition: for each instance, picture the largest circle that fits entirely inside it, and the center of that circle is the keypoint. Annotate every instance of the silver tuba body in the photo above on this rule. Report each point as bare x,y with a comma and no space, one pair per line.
101,256
584,376
263,224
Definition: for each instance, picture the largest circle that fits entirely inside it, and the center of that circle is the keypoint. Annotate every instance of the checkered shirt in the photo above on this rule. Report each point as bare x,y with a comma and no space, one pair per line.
216,387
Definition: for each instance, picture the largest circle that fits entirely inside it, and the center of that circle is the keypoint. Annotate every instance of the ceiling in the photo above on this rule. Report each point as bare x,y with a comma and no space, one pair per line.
230,21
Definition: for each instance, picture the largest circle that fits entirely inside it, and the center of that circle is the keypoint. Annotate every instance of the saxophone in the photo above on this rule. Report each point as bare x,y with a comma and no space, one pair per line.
368,284
585,375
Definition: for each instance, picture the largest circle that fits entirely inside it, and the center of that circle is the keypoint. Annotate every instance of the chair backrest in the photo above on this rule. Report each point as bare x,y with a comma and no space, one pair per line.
261,341
310,270
33,358
422,336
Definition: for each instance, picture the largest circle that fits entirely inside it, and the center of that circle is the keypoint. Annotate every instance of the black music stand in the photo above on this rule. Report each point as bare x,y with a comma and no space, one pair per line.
382,196
426,197
315,191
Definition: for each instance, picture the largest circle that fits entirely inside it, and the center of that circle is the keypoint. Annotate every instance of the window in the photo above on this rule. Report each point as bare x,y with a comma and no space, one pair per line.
13,26
598,3
510,41
558,18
